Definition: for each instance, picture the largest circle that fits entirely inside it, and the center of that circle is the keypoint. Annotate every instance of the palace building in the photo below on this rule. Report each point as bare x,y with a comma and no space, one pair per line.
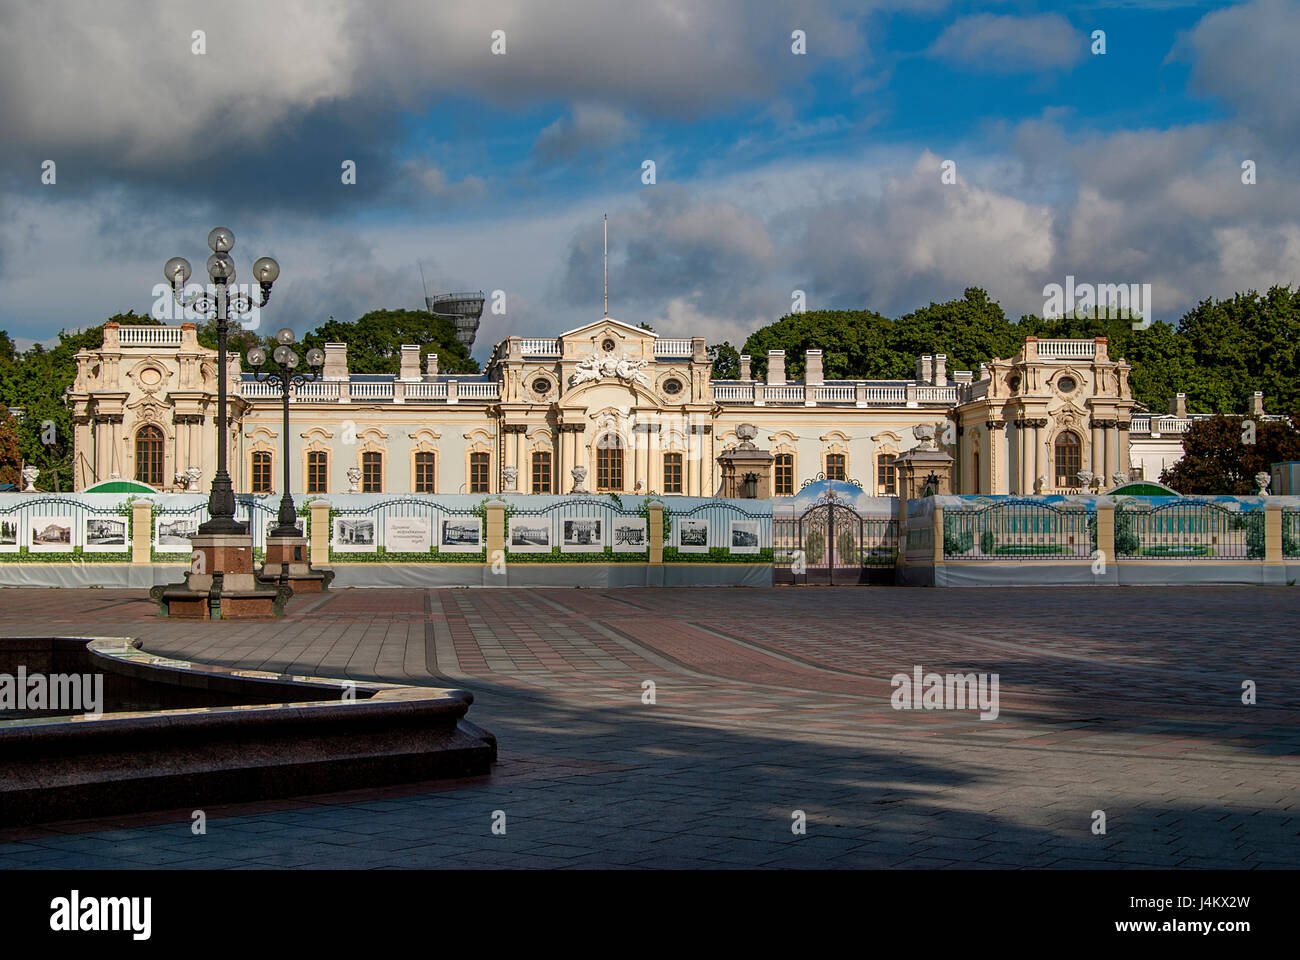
640,413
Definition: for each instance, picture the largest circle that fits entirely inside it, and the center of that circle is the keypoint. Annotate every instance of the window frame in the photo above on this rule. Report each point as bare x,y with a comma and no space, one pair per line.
371,484
155,445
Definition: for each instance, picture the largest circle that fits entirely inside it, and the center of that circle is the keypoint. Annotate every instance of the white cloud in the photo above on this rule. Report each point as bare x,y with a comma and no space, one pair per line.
582,134
80,74
988,43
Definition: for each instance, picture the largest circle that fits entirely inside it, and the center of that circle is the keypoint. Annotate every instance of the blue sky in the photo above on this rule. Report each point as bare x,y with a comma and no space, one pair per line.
776,172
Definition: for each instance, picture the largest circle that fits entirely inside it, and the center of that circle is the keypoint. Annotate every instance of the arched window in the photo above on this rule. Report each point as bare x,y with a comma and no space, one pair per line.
609,463
1068,459
261,472
149,455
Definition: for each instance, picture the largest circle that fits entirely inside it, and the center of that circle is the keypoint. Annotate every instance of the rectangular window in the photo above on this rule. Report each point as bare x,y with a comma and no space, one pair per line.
372,472
318,472
478,472
834,466
424,464
784,475
261,473
541,471
609,464
672,473
886,478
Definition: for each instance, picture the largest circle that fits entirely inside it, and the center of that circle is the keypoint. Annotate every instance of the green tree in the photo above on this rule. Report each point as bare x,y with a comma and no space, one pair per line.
10,457
37,380
1217,460
726,361
375,340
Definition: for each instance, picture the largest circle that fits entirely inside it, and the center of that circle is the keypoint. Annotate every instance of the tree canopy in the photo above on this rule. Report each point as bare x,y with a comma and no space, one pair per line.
1217,459
375,340
1219,353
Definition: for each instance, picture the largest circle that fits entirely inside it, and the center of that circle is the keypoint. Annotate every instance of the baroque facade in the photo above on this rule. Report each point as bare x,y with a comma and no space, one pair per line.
639,413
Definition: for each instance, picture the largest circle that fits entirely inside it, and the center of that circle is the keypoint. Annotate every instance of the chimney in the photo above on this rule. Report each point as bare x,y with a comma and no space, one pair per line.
744,367
983,372
336,361
410,369
941,370
1178,405
962,376
1257,403
430,366
923,369
776,367
813,368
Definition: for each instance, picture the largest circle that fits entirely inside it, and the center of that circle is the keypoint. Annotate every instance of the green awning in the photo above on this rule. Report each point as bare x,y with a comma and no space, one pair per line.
120,486
1143,488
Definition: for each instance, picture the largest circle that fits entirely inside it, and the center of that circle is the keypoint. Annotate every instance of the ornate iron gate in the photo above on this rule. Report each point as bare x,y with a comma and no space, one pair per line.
831,543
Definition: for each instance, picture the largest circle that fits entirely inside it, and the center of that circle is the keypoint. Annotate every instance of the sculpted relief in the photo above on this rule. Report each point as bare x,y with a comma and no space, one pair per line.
609,364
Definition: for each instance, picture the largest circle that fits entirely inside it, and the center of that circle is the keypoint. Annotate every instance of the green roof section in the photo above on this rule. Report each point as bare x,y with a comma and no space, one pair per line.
1143,488
120,486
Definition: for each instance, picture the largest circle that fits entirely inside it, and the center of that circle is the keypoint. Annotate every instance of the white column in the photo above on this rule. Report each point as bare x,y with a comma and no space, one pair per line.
101,473
115,452
642,439
1036,439
698,469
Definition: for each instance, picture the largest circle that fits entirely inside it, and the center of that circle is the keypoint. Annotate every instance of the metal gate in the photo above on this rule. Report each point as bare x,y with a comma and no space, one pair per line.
831,543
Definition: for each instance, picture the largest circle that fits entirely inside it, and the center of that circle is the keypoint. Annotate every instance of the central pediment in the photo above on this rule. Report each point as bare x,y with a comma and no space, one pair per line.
608,326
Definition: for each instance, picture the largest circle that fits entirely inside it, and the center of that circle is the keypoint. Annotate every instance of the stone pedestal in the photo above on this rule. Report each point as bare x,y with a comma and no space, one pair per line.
923,472
746,470
288,563
221,584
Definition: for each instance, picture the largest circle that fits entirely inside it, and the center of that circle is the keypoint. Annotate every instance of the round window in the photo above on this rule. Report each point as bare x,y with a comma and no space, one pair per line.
541,385
1014,384
672,386
1066,384
607,345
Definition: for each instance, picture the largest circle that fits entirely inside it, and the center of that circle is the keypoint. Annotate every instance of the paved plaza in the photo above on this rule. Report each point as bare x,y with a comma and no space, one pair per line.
767,702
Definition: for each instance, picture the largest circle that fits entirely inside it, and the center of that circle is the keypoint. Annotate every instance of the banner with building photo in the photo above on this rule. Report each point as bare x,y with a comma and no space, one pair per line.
171,533
582,535
692,535
530,534
10,534
51,534
104,533
630,535
460,535
744,536
353,534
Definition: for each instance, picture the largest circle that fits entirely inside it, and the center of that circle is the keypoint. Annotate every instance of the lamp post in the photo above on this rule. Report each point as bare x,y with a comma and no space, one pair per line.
285,372
219,303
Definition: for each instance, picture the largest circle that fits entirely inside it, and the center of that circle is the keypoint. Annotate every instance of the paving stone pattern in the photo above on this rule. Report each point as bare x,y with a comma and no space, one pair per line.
768,701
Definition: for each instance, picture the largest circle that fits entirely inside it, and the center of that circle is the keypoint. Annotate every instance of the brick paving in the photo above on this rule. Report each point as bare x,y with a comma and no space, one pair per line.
767,702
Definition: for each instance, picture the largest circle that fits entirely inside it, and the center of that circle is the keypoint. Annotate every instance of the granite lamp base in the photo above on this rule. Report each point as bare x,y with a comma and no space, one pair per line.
221,584
288,563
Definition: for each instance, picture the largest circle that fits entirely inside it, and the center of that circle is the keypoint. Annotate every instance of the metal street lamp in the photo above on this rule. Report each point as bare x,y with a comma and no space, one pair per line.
219,303
285,372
